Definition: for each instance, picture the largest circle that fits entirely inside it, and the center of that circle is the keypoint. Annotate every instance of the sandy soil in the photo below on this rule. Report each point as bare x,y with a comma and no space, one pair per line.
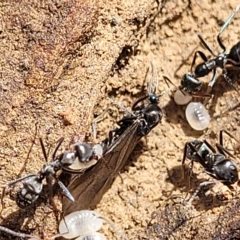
60,60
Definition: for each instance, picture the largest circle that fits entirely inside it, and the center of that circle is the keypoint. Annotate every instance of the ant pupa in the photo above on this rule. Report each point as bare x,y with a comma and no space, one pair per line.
181,98
84,224
197,116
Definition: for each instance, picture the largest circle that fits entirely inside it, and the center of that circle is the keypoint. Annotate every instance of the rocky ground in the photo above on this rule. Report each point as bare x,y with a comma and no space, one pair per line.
60,60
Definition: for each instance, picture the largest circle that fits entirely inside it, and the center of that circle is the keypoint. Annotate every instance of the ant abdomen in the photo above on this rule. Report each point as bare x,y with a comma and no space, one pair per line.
201,70
234,53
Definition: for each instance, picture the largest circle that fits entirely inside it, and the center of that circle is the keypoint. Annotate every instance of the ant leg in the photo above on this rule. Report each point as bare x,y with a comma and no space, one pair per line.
228,79
43,149
58,144
18,180
212,81
11,184
114,228
207,96
233,63
230,135
184,158
228,110
124,108
94,124
20,235
209,146
65,191
200,187
28,154
223,150
187,145
66,227
206,45
227,22
167,80
201,54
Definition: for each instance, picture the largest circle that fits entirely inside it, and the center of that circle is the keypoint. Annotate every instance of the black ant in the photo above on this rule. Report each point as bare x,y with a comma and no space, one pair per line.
190,82
69,161
89,188
217,165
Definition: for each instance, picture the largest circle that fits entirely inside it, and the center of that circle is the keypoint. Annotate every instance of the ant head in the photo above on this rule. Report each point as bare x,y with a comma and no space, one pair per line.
28,194
23,202
84,151
226,171
190,84
153,98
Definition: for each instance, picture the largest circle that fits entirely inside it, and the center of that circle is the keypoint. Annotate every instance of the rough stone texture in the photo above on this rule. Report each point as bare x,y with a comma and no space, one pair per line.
59,62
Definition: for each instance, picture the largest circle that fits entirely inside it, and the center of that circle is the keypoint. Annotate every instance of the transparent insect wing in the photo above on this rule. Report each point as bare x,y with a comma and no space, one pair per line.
153,85
92,236
79,223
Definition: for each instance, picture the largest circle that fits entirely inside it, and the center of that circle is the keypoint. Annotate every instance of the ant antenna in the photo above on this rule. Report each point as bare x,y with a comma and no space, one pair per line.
228,21
94,124
121,107
28,154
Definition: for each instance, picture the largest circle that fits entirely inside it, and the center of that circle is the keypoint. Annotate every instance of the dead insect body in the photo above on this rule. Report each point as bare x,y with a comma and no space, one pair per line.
217,165
81,157
89,188
190,82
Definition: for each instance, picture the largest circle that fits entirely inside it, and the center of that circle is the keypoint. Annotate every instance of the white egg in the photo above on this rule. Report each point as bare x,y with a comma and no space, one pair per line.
197,116
181,98
79,223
